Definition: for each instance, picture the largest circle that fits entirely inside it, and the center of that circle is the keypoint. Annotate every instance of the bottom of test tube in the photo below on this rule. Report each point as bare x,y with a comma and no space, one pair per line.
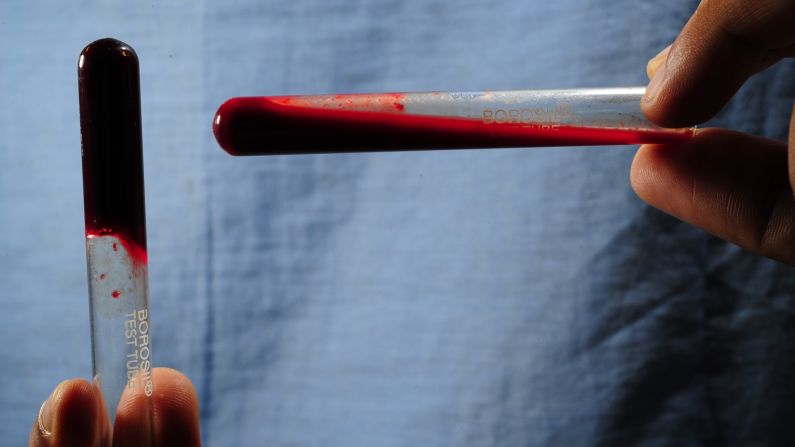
118,290
259,126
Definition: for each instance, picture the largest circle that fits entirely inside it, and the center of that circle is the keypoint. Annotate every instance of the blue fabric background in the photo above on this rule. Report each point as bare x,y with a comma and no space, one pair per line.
463,298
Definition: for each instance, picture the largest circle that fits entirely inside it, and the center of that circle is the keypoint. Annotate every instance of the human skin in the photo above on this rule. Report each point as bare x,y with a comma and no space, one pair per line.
736,186
72,416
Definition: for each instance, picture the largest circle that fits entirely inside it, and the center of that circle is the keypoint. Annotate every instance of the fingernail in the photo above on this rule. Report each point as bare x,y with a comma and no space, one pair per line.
47,413
654,63
653,89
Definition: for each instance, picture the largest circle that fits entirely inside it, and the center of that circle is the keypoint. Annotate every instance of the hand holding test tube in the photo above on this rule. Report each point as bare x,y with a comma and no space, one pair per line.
734,185
73,415
119,405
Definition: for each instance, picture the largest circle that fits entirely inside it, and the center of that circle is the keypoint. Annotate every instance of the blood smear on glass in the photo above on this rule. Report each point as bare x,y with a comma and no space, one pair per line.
135,251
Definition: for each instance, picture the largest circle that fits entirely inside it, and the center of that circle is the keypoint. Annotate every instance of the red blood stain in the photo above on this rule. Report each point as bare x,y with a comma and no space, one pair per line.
115,294
135,251
369,102
102,276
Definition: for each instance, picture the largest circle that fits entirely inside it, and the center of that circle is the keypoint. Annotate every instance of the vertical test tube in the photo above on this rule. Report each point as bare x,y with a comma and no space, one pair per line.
110,121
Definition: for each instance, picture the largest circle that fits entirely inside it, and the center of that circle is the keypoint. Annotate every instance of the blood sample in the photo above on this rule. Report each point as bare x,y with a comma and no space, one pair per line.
113,191
438,120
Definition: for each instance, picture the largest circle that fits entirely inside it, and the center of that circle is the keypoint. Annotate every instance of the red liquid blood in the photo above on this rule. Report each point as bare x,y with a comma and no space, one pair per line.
289,125
110,124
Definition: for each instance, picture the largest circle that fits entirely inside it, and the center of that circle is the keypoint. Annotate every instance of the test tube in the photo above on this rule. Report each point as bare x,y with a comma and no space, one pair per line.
110,123
272,125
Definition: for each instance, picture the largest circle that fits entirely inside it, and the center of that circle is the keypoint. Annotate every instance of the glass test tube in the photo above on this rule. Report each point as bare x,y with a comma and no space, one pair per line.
110,121
275,125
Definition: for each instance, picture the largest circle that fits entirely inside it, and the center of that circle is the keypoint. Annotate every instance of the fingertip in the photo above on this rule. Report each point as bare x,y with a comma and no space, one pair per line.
639,172
176,409
74,414
650,174
654,63
173,386
172,408
702,70
655,101
732,185
76,419
133,424
664,175
666,101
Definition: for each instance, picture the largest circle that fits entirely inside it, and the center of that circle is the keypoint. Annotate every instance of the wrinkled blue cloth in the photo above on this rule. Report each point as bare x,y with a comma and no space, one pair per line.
462,298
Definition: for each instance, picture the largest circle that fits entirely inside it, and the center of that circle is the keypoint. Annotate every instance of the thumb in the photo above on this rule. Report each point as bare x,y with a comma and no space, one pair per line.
720,47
